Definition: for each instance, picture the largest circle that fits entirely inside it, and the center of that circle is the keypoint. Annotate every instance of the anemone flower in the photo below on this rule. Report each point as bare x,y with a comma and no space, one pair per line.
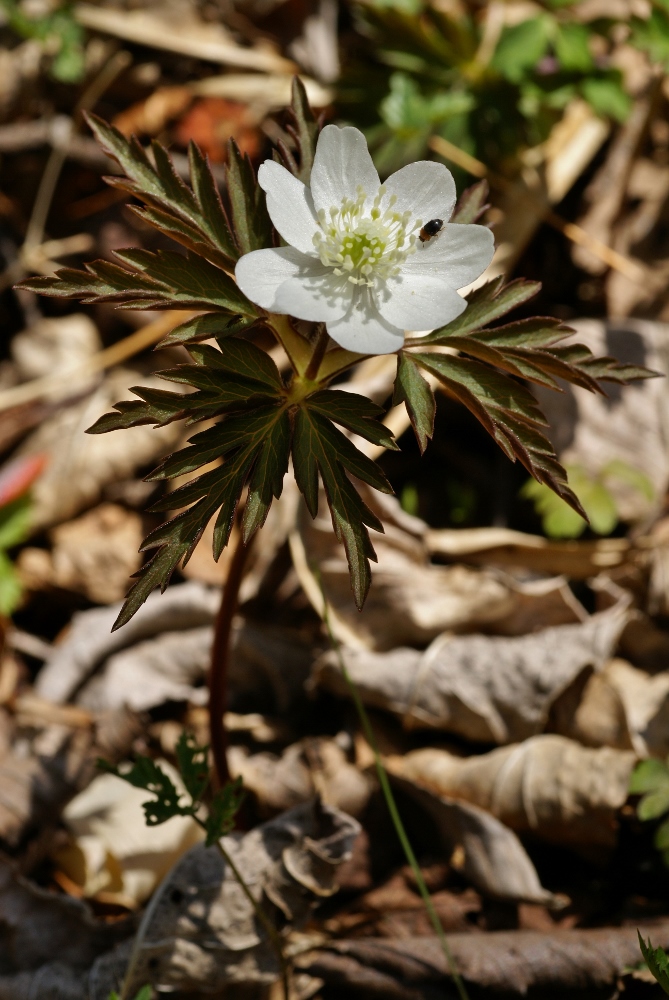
355,259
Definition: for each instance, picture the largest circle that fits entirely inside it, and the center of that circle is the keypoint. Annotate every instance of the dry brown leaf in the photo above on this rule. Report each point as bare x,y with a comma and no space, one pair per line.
55,345
80,464
504,547
38,926
212,121
485,688
411,600
565,963
314,765
624,707
150,116
94,555
550,786
40,775
89,640
113,852
488,854
203,933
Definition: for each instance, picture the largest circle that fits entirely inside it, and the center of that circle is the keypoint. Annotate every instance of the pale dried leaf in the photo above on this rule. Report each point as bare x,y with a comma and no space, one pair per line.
80,464
412,600
94,555
488,689
314,765
113,850
550,786
488,853
630,423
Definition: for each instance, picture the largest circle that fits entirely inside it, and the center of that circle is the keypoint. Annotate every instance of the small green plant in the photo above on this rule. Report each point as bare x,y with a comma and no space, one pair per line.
650,780
657,961
559,520
60,34
216,817
491,88
144,994
192,761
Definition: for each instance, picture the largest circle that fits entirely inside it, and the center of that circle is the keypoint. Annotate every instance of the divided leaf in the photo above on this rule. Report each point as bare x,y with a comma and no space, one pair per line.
159,185
304,129
250,220
146,774
484,375
412,389
162,280
318,447
657,961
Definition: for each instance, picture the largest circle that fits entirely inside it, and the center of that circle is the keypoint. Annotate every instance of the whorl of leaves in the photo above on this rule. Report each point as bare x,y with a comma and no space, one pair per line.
263,418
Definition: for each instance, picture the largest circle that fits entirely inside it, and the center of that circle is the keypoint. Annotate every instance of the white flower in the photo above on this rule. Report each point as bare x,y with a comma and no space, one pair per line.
354,260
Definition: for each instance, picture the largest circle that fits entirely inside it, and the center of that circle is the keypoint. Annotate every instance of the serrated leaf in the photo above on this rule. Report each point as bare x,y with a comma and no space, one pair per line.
354,412
205,327
162,280
412,389
250,220
485,305
242,358
657,961
222,811
315,449
190,279
268,474
161,186
507,411
304,129
159,408
472,203
148,775
193,764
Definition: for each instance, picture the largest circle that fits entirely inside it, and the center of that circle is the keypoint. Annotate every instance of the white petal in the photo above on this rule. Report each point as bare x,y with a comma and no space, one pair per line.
290,206
364,331
261,273
458,255
341,164
426,189
318,295
418,302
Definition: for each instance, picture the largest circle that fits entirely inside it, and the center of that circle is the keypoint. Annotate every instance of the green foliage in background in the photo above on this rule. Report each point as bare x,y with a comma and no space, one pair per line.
58,32
559,520
144,994
650,780
192,761
489,88
14,527
651,34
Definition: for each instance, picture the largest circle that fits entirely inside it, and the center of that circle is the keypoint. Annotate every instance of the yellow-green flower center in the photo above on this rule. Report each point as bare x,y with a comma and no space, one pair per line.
365,243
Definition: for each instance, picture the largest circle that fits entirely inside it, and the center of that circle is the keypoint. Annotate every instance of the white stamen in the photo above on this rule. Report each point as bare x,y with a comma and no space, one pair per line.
364,243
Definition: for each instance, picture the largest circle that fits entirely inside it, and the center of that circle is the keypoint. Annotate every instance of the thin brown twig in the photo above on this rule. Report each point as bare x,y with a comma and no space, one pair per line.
575,233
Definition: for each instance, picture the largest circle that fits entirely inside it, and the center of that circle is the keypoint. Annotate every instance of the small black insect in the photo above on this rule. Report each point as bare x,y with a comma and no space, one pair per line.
430,229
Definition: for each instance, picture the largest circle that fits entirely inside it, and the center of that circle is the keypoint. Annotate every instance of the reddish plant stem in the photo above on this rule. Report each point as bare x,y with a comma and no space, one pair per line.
220,661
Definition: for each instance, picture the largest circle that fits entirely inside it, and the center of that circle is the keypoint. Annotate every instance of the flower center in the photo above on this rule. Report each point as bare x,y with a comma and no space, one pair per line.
365,244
